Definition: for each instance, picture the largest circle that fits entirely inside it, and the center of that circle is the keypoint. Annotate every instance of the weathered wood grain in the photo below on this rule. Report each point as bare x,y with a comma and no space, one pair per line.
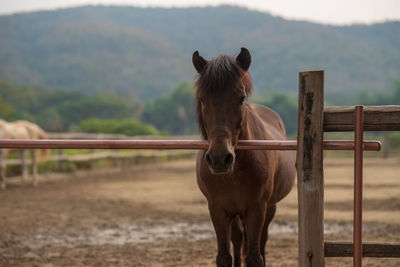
309,164
374,250
376,118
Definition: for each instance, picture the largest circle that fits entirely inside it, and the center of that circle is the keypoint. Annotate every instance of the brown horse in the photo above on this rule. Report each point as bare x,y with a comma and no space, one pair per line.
242,187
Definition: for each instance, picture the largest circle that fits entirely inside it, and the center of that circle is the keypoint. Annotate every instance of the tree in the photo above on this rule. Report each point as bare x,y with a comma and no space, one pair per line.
173,113
59,110
125,126
5,109
286,106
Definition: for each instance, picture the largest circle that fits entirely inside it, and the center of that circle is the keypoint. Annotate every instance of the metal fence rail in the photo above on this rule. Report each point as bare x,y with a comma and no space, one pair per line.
172,144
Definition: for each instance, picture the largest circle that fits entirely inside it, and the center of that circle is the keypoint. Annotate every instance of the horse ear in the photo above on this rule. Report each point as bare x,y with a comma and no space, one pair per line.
198,61
244,59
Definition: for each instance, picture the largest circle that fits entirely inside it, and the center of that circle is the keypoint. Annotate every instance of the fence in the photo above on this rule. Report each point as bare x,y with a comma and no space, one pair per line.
313,121
117,157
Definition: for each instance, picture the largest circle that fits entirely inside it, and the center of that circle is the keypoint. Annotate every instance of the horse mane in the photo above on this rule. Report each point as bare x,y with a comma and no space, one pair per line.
220,73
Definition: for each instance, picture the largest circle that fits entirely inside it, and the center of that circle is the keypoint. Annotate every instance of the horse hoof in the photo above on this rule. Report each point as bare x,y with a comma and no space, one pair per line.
254,262
224,261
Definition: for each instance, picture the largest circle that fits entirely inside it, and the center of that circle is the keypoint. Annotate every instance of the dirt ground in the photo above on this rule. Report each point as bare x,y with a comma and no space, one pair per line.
154,215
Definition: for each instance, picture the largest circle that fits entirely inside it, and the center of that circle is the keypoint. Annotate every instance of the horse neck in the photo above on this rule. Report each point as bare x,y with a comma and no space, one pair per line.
253,127
247,125
247,133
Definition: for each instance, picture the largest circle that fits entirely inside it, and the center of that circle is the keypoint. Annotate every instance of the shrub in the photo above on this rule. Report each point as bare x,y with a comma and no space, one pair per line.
112,126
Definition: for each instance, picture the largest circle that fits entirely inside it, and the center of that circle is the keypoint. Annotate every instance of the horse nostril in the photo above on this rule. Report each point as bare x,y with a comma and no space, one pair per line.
228,159
208,159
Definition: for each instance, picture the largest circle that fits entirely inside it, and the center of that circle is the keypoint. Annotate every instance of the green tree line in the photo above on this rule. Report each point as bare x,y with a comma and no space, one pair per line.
61,110
174,113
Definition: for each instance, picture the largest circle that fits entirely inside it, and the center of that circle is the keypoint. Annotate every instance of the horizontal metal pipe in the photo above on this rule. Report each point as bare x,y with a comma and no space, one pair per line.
173,144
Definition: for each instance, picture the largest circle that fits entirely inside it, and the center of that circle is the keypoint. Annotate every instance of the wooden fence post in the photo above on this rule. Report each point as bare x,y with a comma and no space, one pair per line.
309,164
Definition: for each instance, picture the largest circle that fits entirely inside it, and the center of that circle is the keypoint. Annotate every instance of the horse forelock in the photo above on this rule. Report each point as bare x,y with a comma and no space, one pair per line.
220,73
223,73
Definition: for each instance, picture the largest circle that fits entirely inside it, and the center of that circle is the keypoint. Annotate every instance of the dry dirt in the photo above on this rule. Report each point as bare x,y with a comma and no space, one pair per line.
154,215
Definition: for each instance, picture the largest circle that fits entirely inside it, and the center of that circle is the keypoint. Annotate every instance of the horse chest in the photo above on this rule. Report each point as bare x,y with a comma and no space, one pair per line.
250,183
235,192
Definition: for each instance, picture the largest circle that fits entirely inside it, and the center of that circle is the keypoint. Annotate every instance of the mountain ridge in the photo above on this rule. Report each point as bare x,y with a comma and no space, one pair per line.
145,52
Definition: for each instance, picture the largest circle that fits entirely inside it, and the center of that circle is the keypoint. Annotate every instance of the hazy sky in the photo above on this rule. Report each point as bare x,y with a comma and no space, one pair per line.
333,12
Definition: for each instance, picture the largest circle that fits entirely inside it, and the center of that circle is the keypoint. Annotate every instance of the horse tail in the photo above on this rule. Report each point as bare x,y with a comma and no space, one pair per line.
34,132
43,153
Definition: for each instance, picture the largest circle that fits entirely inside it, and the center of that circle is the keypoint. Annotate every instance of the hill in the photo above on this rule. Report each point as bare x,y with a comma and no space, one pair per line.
146,52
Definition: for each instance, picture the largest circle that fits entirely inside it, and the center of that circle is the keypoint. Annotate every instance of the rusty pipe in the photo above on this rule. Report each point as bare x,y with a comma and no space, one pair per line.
358,185
172,144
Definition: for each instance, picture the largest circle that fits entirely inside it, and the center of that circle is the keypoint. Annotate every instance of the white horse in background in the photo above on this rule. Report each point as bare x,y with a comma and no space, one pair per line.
21,130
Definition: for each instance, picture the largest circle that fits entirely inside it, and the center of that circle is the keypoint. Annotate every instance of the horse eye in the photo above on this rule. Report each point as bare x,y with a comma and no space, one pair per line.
241,102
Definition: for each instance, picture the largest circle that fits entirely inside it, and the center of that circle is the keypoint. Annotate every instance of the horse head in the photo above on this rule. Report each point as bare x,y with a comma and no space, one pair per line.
222,88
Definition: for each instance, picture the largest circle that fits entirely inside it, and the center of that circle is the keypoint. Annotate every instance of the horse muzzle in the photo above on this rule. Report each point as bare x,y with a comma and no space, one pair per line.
220,162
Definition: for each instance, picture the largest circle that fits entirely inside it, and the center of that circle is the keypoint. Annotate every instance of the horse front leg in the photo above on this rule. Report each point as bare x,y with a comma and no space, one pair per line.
2,169
254,222
34,168
264,234
24,169
222,226
237,232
